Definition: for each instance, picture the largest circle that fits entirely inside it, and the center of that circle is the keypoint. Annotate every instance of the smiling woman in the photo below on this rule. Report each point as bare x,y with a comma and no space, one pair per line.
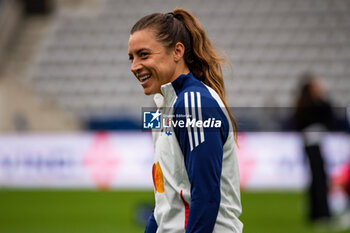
152,63
195,171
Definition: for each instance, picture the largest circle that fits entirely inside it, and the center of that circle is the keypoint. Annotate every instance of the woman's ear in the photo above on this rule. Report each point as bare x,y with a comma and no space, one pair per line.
179,51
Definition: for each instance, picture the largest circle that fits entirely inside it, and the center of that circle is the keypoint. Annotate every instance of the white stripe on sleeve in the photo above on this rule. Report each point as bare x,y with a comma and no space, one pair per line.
187,118
199,106
195,130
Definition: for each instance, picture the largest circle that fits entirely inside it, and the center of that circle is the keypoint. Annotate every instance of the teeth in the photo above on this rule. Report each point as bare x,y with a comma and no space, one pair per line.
143,78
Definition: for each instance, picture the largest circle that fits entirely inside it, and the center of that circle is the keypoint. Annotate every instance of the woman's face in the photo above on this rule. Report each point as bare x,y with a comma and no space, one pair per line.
151,63
317,88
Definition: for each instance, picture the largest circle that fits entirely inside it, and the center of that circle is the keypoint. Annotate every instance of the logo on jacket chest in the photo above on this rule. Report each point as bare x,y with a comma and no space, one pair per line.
167,127
158,179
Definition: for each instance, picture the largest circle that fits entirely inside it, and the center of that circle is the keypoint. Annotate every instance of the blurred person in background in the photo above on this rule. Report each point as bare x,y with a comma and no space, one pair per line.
195,171
313,116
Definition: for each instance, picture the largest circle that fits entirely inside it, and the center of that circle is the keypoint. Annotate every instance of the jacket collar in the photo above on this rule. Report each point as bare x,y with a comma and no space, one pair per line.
170,90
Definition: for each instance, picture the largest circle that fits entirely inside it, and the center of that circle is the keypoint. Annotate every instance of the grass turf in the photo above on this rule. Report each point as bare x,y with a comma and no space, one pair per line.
41,211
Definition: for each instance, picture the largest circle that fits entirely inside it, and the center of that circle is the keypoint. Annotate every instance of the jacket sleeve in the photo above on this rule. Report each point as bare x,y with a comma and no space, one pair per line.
151,225
202,148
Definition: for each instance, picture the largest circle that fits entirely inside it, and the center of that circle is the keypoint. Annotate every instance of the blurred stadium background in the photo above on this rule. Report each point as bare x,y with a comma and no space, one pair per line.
72,155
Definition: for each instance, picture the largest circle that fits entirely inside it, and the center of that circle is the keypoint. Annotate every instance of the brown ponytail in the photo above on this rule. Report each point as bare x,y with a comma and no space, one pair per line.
200,56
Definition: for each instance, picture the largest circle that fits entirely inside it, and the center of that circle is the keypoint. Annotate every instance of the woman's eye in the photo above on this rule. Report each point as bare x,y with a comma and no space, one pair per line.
143,55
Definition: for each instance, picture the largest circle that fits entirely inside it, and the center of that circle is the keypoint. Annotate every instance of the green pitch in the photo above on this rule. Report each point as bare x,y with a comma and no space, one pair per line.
108,212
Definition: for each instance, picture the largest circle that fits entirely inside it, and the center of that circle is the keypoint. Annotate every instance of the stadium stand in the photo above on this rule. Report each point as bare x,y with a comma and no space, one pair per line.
82,64
10,13
21,107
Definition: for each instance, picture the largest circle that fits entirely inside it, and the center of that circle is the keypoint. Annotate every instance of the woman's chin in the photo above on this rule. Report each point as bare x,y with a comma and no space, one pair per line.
148,91
151,90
